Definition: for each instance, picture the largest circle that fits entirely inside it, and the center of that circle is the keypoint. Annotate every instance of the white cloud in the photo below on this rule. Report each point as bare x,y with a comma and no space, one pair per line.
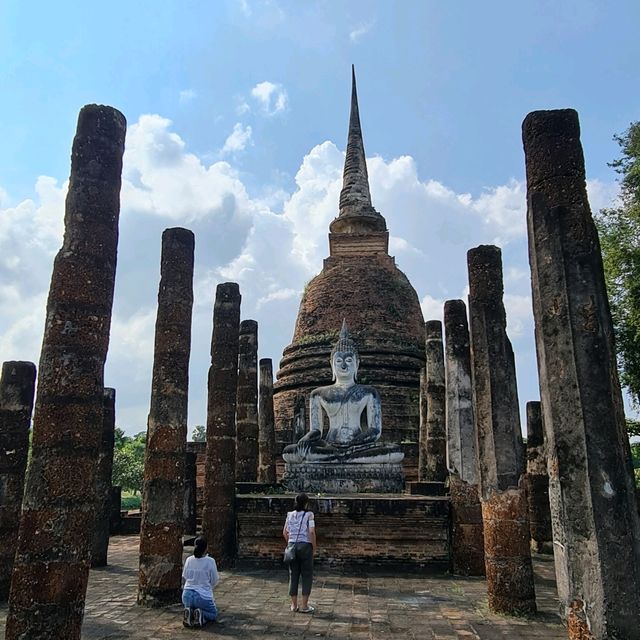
242,108
265,14
432,308
602,194
187,95
358,32
272,98
278,294
519,314
270,254
245,7
504,208
238,139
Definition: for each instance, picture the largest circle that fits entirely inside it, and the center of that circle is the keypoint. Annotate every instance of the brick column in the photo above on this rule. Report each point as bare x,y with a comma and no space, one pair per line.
190,493
467,539
56,529
219,517
596,529
104,471
538,482
247,403
267,430
162,522
433,456
16,403
500,451
423,454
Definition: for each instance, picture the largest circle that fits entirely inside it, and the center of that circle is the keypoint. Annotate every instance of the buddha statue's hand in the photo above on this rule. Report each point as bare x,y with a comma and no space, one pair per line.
311,436
366,437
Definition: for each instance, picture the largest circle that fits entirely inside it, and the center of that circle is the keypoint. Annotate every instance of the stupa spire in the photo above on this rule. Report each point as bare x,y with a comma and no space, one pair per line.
355,193
358,229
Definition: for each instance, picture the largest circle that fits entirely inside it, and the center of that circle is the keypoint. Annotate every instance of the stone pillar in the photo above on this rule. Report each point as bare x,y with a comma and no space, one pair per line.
219,517
500,450
247,403
51,569
538,482
16,402
104,470
422,434
433,449
467,540
267,431
162,521
115,517
190,493
596,529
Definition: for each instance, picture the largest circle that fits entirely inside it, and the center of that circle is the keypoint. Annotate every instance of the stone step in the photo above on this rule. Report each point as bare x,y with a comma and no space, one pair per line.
422,488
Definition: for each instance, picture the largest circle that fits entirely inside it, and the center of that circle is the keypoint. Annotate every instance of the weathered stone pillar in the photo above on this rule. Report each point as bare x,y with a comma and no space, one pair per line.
162,522
16,403
190,493
500,451
51,568
538,482
433,449
247,403
596,529
219,517
104,471
422,434
267,431
467,540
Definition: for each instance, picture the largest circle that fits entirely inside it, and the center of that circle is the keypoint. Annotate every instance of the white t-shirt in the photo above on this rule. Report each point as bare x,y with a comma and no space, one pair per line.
300,521
200,575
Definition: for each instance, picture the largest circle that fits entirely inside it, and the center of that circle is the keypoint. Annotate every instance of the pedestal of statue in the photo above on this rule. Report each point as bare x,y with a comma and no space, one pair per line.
340,478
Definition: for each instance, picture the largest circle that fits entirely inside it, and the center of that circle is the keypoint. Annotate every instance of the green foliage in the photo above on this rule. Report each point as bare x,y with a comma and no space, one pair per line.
199,433
128,461
633,427
128,503
619,230
635,458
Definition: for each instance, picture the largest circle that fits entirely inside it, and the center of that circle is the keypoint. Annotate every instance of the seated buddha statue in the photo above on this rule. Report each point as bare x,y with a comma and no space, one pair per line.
344,403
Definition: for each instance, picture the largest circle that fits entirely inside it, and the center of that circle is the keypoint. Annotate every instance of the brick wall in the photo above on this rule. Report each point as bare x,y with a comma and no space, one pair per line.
382,531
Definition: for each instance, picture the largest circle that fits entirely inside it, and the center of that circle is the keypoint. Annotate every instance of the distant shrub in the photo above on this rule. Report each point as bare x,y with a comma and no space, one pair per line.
130,502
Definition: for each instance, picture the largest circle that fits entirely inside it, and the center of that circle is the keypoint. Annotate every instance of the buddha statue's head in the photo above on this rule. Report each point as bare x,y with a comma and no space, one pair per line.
344,357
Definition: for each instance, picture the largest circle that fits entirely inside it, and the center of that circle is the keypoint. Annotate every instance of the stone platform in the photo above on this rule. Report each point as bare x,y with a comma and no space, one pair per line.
338,478
375,530
349,606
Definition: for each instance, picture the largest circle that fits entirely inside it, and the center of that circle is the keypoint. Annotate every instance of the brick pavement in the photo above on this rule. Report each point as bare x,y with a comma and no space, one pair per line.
350,605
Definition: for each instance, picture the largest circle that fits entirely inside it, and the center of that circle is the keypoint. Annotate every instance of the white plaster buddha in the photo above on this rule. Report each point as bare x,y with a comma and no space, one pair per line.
344,402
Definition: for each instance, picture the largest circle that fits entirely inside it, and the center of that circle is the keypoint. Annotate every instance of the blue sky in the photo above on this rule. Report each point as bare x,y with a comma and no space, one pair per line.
237,116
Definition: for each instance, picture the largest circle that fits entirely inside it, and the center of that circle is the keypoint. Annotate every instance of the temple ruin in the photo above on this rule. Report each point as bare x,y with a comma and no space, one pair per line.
359,283
408,441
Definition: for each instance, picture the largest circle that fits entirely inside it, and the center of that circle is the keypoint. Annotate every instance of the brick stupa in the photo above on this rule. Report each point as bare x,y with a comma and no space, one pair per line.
361,283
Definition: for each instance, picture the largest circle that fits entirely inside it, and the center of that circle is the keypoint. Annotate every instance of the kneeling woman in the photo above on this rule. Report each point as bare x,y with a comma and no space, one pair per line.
300,528
200,575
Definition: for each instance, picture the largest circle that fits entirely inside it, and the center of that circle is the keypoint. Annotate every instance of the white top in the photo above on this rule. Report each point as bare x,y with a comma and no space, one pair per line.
300,521
200,575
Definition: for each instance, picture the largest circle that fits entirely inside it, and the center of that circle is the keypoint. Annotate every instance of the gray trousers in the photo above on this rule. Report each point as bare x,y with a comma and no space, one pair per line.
301,566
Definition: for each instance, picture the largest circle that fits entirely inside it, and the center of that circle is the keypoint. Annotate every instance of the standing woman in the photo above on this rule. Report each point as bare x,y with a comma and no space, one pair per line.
200,575
300,528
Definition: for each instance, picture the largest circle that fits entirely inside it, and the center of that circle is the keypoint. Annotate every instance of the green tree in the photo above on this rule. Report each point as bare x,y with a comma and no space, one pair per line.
199,433
128,461
635,458
619,229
